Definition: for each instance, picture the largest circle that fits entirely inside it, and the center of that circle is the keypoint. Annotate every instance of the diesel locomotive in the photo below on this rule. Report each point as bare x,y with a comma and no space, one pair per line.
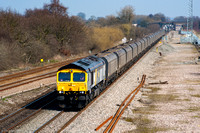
81,81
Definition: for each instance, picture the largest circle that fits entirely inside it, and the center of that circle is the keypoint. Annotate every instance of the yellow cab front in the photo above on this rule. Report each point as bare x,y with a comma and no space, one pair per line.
71,81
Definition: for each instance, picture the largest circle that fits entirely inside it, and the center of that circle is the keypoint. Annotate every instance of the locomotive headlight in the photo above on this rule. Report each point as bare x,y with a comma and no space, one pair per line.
82,92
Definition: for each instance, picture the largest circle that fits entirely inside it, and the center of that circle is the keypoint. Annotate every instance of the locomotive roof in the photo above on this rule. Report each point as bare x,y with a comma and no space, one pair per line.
87,64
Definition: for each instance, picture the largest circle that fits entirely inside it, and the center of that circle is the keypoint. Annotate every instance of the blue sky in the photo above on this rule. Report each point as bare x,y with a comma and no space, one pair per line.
102,8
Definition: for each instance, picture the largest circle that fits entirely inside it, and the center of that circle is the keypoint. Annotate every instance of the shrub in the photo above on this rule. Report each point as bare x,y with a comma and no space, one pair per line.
106,37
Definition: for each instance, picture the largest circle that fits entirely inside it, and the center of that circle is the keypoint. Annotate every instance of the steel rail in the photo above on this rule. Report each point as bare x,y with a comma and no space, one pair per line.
28,72
26,118
48,122
119,109
8,84
32,79
23,108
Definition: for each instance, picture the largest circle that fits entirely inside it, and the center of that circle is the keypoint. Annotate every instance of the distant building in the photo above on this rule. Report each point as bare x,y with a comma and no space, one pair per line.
134,25
179,27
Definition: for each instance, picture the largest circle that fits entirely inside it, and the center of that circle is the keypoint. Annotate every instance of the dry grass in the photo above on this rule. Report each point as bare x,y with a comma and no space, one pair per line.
196,116
150,109
194,82
163,97
143,125
154,89
194,109
106,37
191,89
197,95
185,99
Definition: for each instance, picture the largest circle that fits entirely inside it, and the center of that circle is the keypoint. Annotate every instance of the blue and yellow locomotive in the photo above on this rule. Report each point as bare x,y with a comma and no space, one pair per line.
77,82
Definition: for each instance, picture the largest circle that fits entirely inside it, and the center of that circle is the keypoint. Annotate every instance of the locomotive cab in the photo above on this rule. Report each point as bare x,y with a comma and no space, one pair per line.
80,81
71,87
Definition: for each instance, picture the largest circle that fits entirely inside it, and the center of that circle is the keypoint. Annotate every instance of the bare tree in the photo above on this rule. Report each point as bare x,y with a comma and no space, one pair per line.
126,15
56,8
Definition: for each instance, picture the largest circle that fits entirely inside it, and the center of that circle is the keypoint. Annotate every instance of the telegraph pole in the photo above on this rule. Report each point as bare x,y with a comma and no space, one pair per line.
190,20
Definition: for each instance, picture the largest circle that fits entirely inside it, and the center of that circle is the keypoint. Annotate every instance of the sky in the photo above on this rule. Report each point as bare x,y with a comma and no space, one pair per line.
102,8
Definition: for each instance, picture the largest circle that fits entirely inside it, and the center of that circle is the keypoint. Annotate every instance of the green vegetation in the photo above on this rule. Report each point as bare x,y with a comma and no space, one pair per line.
6,98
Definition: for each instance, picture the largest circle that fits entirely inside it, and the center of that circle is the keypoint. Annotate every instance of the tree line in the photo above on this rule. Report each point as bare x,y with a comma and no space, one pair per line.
50,31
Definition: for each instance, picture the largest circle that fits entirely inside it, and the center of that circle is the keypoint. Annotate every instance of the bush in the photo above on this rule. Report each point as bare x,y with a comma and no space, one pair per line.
10,55
106,37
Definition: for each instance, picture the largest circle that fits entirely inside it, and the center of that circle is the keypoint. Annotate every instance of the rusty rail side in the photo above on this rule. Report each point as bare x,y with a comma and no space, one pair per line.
120,110
103,123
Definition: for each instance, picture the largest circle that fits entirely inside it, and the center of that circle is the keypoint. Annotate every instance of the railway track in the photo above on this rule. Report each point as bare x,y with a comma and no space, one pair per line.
26,81
18,117
29,76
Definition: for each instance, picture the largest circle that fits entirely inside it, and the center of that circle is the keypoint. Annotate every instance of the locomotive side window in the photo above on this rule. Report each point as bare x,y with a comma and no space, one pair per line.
63,77
79,77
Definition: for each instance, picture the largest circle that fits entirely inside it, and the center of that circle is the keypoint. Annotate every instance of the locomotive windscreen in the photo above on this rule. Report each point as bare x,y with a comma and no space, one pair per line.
63,77
79,77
